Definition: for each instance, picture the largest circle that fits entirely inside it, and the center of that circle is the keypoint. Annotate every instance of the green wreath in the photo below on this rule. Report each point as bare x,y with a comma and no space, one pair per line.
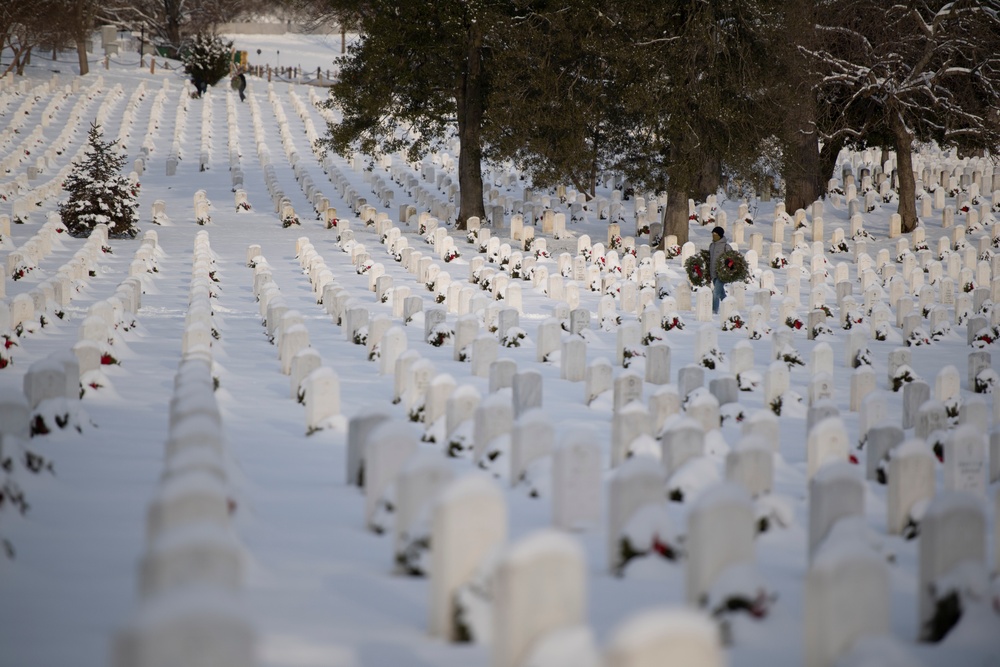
731,267
697,269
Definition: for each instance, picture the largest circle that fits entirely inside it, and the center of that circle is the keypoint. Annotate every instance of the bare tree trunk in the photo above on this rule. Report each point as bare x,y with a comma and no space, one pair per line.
709,177
803,175
81,53
675,214
907,209
171,11
469,99
828,160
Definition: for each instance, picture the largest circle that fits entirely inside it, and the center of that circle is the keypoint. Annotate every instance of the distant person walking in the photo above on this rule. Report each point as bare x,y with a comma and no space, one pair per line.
241,85
199,86
719,245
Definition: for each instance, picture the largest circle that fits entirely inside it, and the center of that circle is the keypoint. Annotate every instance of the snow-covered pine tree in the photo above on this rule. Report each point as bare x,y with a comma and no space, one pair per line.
99,193
206,58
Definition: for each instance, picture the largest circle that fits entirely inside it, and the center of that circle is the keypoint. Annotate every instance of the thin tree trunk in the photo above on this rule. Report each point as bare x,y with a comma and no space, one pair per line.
469,99
81,53
907,209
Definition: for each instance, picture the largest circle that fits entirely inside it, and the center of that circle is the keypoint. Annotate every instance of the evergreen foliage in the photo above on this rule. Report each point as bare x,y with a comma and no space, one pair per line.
419,71
207,58
99,193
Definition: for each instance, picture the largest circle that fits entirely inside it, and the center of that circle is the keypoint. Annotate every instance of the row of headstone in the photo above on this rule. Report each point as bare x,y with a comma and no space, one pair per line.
839,444
311,383
148,144
235,154
31,143
191,570
205,145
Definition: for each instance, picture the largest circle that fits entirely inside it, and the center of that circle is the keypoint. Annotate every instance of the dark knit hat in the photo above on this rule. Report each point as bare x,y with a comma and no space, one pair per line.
720,231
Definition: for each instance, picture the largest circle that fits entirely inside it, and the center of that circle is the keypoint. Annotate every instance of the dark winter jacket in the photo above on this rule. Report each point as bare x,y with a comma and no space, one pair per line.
715,251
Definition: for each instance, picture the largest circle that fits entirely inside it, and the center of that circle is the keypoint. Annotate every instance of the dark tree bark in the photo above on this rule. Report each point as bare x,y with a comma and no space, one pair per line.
675,214
469,100
907,209
709,177
803,171
81,54
828,153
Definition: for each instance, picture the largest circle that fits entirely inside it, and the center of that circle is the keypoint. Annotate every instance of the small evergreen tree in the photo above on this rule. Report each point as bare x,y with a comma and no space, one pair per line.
99,193
207,58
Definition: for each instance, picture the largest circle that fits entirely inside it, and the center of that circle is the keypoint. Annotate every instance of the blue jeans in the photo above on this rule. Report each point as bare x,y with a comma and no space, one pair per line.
718,294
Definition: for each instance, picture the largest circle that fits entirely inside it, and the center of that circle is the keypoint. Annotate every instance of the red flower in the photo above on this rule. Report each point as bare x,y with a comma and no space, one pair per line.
663,548
853,459
107,359
798,324
3,362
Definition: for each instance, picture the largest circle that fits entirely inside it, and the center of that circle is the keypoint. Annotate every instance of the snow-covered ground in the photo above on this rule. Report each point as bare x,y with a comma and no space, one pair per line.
318,586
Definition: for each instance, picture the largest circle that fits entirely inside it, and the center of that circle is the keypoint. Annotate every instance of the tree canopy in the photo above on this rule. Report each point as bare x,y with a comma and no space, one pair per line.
890,74
673,95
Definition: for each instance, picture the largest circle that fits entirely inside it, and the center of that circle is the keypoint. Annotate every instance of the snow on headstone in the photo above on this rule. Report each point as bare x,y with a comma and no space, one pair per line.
501,374
532,438
183,500
539,587
627,388
683,440
628,424
915,394
420,479
751,465
45,380
527,391
880,442
635,484
192,556
15,413
195,626
439,391
951,557
720,534
666,636
322,397
359,426
911,484
460,408
826,443
965,460
658,363
576,480
468,524
303,363
492,418
846,599
703,407
765,425
947,384
573,360
836,491
387,448
598,379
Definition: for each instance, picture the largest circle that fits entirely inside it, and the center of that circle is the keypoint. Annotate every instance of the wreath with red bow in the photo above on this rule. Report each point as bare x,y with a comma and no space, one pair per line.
697,269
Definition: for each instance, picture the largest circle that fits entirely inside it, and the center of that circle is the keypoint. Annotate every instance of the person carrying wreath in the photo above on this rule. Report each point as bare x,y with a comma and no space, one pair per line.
718,246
